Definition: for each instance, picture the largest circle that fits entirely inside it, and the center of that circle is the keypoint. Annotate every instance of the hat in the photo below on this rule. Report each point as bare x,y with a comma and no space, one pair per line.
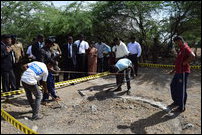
13,36
5,36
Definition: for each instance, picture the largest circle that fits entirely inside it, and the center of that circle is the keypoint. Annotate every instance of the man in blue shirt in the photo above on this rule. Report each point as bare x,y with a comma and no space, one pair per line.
122,68
135,51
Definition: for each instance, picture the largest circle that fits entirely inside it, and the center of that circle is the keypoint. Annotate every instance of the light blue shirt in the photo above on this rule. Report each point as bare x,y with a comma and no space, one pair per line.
124,63
135,48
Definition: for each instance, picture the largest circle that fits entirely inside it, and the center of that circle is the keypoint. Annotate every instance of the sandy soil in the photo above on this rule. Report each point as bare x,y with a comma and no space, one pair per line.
100,110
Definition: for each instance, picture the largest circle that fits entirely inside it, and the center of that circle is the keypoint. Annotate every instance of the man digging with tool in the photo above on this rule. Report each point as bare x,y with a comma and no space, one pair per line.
122,68
34,72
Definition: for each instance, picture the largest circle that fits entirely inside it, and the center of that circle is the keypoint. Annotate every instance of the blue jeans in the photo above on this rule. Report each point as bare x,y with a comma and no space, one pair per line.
50,87
179,89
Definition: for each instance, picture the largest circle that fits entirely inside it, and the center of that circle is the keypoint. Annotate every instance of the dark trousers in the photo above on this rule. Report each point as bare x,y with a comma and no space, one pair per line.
18,72
120,78
8,80
106,64
81,59
35,104
134,60
100,64
50,87
179,89
69,66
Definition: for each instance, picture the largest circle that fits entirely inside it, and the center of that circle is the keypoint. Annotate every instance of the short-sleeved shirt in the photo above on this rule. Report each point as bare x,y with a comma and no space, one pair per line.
18,50
120,50
183,54
83,46
123,64
100,47
36,71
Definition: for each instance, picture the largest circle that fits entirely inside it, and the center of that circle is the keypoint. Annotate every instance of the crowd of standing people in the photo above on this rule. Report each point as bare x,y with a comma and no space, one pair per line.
78,58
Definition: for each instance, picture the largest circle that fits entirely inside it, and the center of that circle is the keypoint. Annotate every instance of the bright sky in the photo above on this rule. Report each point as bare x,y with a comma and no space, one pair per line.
61,3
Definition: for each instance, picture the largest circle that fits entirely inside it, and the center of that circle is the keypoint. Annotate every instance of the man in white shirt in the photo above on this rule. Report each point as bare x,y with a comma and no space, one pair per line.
35,72
135,51
120,49
82,46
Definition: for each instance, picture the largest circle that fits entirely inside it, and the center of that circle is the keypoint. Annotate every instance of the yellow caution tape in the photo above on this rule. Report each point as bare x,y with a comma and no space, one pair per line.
60,84
164,66
16,123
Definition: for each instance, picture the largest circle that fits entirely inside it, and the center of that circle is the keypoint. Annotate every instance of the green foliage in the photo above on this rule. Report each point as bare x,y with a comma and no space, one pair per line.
105,19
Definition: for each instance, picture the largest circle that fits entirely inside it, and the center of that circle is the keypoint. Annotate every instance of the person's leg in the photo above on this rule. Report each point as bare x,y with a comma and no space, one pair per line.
102,65
173,87
12,80
51,85
79,65
28,92
119,80
135,63
37,93
5,81
181,91
128,72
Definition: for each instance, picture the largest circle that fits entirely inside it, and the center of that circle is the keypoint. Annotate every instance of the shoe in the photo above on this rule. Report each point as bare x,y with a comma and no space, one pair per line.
171,106
45,104
118,89
37,117
57,98
178,109
128,92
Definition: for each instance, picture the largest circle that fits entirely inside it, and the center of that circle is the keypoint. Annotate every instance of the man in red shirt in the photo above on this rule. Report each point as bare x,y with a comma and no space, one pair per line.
182,70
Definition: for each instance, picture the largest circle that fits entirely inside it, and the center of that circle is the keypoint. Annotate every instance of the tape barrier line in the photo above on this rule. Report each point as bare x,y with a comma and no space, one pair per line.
164,66
16,123
60,84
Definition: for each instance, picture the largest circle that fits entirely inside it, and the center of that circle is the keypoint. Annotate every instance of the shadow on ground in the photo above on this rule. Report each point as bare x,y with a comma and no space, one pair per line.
138,127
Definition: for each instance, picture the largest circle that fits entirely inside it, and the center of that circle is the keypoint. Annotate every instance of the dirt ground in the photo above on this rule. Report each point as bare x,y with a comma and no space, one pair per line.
92,108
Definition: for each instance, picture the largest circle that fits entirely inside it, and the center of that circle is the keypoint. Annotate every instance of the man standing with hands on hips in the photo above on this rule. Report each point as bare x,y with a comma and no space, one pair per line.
182,70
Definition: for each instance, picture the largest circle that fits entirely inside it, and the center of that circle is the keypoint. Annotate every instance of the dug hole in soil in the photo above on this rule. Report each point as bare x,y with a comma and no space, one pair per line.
92,107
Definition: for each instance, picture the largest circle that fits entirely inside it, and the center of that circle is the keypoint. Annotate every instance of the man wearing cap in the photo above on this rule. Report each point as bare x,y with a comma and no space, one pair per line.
19,54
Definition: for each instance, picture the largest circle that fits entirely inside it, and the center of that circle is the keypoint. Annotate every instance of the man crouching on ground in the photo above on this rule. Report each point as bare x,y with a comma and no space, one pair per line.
122,68
33,73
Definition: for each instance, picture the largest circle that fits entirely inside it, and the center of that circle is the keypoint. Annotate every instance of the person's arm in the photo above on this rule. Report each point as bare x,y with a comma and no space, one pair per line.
125,49
172,71
59,50
139,50
44,87
189,59
24,67
5,51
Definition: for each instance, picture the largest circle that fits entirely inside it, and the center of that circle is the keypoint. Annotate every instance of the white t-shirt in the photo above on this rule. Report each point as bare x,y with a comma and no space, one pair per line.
83,46
35,72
